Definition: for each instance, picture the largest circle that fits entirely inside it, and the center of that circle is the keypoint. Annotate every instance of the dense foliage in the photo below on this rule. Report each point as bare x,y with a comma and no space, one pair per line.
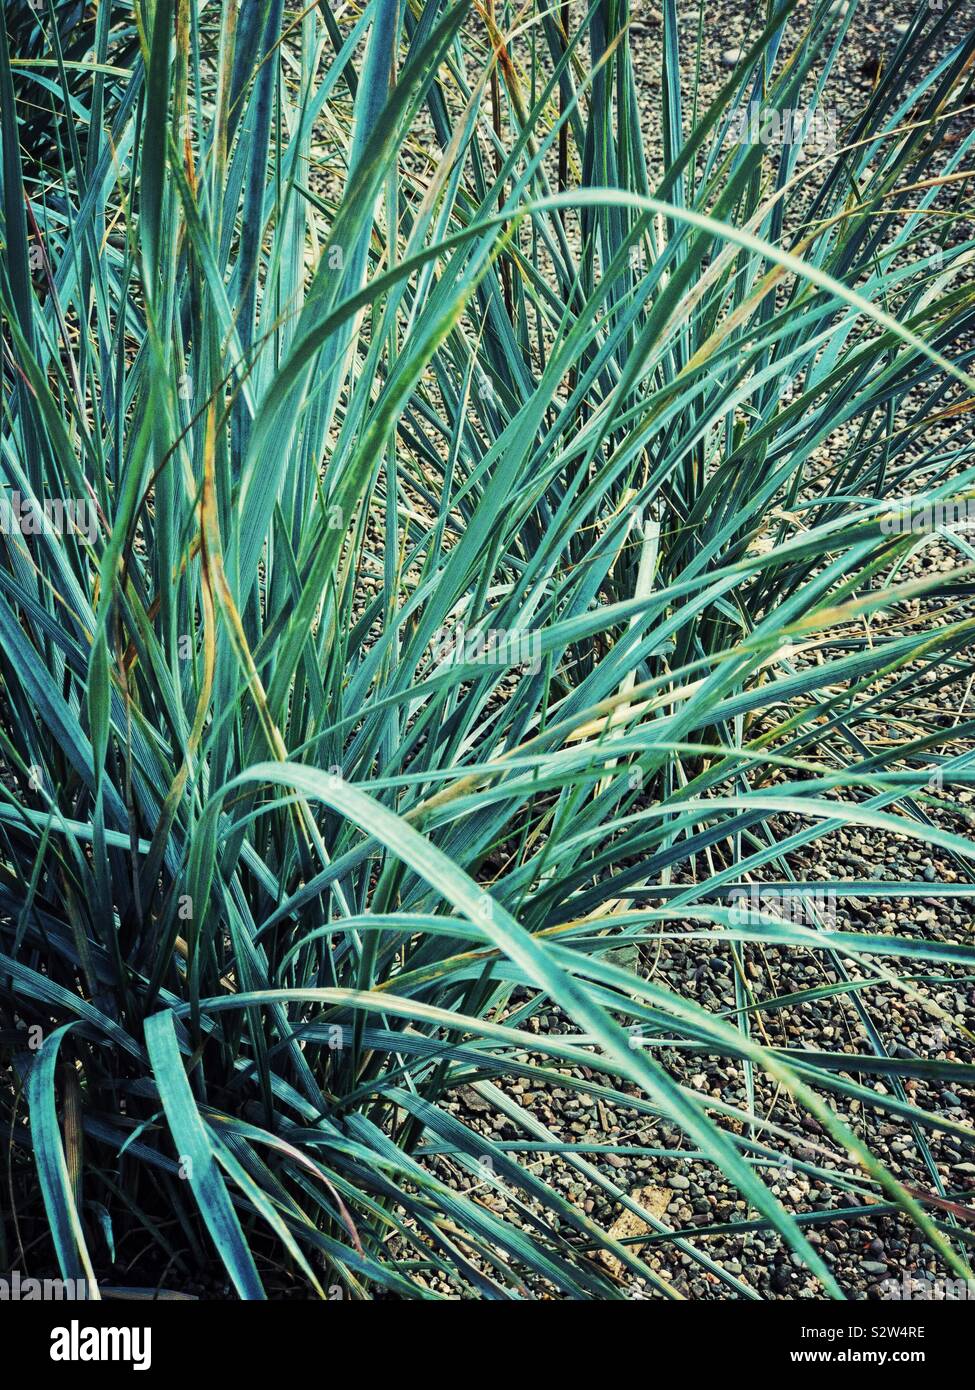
476,562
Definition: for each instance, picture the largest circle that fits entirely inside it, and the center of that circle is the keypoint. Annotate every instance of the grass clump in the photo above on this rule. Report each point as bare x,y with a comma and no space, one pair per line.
485,565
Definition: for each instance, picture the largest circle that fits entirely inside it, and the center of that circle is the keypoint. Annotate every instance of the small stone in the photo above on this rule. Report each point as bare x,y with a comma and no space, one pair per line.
873,1267
651,20
678,1183
628,1224
731,57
